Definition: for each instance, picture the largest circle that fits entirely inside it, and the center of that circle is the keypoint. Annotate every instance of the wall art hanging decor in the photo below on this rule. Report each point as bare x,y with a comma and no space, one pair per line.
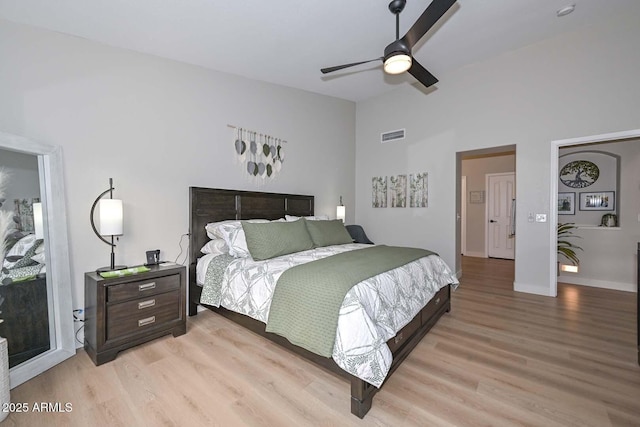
260,155
599,201
379,192
418,192
579,174
566,203
476,197
398,191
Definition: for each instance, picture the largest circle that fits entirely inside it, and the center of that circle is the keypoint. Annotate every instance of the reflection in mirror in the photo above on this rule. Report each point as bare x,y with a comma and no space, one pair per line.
23,289
35,282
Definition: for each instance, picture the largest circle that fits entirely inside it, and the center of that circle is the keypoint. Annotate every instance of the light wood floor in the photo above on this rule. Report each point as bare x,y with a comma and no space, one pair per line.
499,358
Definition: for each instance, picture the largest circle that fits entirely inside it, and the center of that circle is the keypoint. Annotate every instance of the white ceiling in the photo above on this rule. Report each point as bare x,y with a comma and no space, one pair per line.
287,41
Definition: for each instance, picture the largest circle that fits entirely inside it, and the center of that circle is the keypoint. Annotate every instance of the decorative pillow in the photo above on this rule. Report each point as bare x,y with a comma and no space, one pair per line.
216,247
274,239
26,260
19,249
309,218
20,274
39,258
327,233
213,228
232,234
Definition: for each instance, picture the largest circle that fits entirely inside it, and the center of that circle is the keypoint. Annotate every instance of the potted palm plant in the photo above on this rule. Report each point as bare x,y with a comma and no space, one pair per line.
565,247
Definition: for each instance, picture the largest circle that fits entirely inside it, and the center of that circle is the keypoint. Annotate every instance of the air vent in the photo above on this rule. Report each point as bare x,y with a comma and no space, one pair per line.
394,135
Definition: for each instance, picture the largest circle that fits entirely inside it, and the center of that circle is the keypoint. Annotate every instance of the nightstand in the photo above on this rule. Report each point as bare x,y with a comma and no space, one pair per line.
125,311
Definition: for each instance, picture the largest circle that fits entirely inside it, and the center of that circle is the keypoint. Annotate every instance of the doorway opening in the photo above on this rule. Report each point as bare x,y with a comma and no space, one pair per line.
472,202
554,163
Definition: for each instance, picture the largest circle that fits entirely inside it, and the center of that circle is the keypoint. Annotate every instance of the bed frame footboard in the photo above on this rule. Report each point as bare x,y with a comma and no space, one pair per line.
209,205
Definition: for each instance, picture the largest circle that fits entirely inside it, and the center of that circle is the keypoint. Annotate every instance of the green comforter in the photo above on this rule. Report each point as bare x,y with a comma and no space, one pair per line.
307,299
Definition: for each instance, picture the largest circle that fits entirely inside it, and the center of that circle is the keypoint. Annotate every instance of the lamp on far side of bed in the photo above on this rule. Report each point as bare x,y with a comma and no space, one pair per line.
37,221
340,211
110,223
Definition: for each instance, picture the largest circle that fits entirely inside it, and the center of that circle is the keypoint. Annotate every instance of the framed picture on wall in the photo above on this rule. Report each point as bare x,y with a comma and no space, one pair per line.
598,201
566,203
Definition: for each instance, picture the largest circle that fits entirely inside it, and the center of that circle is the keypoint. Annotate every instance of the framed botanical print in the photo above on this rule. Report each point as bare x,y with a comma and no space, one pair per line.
379,192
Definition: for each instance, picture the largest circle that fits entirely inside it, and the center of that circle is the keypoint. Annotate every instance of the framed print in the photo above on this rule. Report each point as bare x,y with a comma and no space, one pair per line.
419,195
566,203
598,201
476,196
379,192
398,191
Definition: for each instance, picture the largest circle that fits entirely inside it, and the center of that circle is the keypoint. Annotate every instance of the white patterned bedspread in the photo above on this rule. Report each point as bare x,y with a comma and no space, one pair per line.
373,311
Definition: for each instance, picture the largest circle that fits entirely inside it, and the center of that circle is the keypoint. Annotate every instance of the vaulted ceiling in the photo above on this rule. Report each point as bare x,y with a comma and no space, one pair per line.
287,41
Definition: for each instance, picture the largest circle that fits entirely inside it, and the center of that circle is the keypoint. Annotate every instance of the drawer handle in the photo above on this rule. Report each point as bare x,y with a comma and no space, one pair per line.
146,321
147,286
398,338
437,300
146,304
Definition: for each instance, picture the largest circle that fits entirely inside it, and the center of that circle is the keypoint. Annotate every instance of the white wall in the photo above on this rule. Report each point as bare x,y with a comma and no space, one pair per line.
576,84
157,127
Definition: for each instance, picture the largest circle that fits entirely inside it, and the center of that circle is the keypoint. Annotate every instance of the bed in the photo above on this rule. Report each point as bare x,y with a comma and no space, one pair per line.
23,298
215,205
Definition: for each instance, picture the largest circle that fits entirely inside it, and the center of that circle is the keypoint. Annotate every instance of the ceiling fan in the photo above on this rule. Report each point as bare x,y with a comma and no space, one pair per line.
397,56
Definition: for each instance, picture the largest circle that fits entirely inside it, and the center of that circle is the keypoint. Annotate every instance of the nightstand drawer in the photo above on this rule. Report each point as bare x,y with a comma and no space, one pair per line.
127,311
142,288
141,314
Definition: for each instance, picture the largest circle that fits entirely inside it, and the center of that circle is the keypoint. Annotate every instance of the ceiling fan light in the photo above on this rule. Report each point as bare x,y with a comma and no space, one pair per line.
398,63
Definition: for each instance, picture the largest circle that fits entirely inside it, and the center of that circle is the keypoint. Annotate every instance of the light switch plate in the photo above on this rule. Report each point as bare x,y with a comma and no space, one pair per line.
541,217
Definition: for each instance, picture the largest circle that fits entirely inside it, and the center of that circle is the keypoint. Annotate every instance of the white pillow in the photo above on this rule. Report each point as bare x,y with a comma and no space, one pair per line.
309,218
22,246
19,249
232,234
213,228
215,247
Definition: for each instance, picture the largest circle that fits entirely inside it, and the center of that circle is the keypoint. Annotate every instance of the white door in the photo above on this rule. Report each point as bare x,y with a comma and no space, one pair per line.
500,204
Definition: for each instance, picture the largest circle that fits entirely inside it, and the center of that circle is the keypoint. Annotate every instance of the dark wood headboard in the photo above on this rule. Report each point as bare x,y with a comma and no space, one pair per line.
212,204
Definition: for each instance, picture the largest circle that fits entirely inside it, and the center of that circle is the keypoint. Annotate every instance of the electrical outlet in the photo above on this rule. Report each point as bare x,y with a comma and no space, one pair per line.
541,217
530,217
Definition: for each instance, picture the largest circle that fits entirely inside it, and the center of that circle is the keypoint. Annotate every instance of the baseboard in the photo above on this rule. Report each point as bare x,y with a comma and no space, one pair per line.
595,283
475,254
531,289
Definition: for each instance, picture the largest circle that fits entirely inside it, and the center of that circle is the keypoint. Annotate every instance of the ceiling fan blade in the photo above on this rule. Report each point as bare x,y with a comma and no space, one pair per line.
421,74
340,67
429,17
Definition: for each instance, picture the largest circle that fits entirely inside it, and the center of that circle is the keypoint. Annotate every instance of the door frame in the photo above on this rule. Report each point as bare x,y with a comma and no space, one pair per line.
486,209
553,191
463,215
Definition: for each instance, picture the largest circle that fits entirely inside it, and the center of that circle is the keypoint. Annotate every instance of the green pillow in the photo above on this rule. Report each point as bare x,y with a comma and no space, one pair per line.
327,233
273,239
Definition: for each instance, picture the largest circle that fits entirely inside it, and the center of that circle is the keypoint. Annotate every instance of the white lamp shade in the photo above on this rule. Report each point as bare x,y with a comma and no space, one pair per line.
397,64
340,212
37,221
110,217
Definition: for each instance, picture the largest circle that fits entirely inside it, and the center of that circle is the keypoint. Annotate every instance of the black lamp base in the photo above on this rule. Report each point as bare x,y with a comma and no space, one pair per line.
114,268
